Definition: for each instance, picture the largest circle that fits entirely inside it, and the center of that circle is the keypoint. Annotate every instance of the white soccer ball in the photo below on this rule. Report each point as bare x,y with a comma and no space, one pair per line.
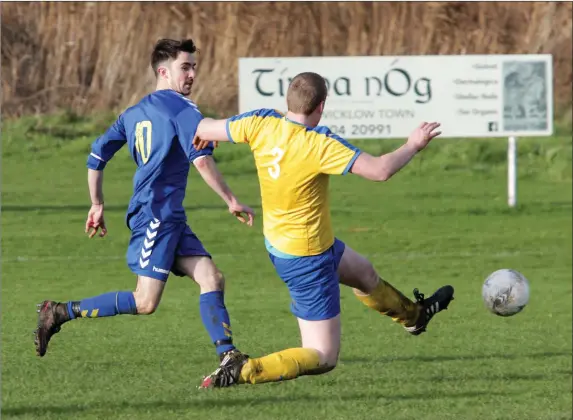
505,292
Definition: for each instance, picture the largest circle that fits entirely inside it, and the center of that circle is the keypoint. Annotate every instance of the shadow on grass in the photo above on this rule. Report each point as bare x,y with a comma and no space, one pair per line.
109,208
499,377
468,357
527,209
226,399
530,208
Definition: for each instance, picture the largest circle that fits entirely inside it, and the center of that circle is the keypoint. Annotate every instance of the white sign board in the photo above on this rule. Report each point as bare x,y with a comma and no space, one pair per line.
387,97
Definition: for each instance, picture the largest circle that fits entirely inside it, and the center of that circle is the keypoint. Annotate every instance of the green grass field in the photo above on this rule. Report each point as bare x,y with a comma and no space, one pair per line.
444,219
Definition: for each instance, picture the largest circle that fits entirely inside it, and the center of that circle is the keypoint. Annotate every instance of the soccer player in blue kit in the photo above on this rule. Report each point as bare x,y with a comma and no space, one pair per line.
159,131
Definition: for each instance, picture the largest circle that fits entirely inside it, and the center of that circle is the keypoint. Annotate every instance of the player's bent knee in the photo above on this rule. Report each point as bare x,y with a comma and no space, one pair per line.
329,364
145,306
145,303
328,356
218,280
332,359
204,271
211,282
328,360
324,337
147,295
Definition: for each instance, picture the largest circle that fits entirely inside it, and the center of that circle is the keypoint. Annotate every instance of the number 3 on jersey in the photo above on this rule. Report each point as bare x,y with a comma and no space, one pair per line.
275,169
143,142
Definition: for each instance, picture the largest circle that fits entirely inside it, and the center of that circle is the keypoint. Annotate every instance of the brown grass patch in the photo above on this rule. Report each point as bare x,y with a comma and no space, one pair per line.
92,55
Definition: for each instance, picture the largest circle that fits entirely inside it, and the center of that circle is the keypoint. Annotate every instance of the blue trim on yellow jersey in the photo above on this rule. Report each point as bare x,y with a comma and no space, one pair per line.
229,131
267,113
263,112
349,166
272,250
326,131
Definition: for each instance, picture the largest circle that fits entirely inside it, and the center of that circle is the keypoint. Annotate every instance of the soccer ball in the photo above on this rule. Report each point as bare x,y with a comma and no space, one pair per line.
505,292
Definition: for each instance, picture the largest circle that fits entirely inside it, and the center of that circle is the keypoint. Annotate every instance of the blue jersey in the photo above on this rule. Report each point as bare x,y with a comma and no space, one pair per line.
159,131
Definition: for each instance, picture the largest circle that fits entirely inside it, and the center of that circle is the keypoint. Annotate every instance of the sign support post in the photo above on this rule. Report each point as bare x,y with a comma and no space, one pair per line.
512,171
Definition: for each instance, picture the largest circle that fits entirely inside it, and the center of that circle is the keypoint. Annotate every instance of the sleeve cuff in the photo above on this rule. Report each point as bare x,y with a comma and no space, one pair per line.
349,166
95,163
196,158
229,131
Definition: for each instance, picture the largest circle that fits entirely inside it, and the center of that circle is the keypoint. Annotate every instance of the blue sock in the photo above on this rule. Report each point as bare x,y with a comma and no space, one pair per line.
108,304
216,320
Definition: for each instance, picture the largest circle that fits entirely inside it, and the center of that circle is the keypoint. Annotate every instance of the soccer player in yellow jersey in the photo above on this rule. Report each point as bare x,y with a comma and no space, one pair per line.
294,158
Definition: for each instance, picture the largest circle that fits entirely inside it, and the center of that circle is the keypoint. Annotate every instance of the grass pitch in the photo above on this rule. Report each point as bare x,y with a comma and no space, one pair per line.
443,219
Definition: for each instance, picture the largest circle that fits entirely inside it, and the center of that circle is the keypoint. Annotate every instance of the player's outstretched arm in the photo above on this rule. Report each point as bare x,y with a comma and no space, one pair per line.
208,170
382,168
242,128
210,130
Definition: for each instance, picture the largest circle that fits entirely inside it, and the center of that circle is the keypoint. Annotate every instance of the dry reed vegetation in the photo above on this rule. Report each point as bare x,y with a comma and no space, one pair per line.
88,56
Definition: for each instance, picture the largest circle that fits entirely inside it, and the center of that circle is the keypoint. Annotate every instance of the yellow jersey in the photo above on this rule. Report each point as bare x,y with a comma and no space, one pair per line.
293,163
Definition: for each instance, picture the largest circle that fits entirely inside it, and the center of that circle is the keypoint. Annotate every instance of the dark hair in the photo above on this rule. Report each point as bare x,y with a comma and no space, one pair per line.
166,49
305,93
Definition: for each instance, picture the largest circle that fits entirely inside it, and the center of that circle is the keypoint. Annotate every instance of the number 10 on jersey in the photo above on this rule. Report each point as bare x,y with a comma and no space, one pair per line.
143,140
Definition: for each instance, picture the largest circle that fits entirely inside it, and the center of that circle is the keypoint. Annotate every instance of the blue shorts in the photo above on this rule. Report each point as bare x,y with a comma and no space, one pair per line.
154,245
313,282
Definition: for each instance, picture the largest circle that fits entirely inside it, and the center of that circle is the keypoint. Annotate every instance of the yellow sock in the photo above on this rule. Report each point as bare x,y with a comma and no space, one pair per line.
283,365
389,301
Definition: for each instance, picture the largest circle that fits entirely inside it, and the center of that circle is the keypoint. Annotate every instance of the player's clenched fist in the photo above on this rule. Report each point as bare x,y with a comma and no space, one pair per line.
422,135
95,221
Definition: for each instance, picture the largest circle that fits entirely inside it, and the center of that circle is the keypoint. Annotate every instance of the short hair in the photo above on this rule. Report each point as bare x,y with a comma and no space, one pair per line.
166,49
305,93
